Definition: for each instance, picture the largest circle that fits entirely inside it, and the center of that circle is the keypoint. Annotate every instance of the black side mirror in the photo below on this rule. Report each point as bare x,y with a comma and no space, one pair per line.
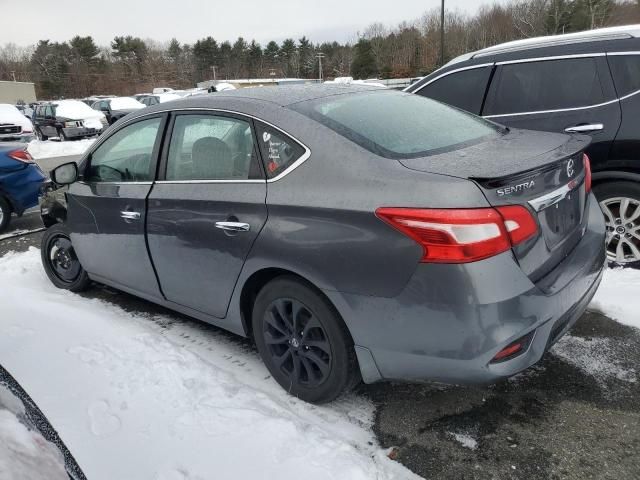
65,174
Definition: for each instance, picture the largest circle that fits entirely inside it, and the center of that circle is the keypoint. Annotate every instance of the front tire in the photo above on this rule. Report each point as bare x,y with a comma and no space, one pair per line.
5,214
60,261
61,136
620,203
41,136
303,341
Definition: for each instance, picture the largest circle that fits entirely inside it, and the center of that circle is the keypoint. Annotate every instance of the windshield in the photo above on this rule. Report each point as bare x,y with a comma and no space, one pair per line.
398,125
125,103
74,109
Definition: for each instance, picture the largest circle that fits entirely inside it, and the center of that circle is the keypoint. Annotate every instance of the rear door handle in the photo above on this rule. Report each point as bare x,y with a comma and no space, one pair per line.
130,215
592,127
233,226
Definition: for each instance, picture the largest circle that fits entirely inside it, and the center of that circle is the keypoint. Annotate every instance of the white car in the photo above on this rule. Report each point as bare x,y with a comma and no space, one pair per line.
150,100
13,124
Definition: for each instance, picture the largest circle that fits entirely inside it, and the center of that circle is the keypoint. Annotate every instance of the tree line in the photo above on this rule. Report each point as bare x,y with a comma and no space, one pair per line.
79,67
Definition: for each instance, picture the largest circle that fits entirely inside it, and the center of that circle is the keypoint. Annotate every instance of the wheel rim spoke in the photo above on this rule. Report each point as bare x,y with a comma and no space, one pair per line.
624,205
634,250
297,342
315,358
607,214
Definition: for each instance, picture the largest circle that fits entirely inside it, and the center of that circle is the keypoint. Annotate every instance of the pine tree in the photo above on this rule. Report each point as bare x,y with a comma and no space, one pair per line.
364,62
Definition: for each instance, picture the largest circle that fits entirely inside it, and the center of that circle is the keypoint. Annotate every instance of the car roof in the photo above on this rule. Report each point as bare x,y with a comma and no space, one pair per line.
286,95
597,35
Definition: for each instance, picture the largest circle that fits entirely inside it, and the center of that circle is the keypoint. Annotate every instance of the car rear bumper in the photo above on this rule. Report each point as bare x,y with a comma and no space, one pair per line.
16,136
451,320
23,187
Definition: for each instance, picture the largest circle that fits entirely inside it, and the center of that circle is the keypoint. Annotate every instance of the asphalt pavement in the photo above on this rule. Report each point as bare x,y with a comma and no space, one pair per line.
575,415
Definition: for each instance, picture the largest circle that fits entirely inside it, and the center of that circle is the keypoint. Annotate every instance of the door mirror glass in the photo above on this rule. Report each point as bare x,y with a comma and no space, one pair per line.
65,174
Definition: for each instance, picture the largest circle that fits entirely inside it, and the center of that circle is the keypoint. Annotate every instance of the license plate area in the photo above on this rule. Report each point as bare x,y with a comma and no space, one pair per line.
558,221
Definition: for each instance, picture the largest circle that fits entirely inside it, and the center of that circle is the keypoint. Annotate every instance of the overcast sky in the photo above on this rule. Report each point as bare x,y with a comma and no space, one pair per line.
25,23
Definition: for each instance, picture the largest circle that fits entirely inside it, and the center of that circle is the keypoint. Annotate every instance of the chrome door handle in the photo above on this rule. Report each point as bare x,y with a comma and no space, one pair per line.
233,226
130,215
592,127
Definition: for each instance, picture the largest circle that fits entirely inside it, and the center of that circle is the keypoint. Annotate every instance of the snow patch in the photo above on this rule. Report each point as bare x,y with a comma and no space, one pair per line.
464,439
618,296
593,356
111,381
47,149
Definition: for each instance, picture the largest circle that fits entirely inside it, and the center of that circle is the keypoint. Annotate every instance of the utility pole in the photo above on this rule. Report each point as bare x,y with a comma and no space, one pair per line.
320,56
213,69
13,74
442,34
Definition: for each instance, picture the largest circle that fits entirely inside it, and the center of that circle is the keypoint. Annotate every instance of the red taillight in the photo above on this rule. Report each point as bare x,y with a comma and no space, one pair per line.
587,172
462,235
21,156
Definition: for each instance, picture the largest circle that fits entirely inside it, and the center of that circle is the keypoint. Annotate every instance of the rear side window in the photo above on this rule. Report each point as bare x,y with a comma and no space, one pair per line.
626,73
546,85
211,147
279,151
398,125
463,89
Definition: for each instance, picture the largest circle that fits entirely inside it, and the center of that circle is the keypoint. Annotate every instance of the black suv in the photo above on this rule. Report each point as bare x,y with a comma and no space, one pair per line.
587,82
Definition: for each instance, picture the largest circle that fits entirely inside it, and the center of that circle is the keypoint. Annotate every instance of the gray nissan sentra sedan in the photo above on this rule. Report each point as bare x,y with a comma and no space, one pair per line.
353,232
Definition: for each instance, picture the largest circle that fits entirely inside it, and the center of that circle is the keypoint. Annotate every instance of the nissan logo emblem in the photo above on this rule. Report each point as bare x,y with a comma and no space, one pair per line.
570,170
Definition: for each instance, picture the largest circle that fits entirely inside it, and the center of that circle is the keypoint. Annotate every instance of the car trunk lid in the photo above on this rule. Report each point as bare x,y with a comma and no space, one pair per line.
541,171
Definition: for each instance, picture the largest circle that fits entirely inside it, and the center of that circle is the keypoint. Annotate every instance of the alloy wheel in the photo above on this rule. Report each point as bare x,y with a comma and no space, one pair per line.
297,342
62,259
622,218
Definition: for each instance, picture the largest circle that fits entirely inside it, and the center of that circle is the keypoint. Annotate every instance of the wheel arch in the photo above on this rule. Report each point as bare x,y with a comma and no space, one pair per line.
259,279
614,175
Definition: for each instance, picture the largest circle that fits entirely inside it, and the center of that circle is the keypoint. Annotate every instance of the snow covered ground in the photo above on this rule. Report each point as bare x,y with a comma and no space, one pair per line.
49,148
161,399
619,296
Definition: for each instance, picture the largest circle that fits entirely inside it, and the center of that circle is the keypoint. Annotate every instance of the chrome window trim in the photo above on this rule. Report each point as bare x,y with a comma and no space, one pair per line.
634,52
83,182
556,110
303,158
450,72
193,182
554,57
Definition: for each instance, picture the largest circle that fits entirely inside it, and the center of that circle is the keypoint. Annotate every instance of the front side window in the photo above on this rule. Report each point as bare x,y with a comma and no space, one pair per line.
626,73
546,85
463,89
398,125
126,155
210,147
279,151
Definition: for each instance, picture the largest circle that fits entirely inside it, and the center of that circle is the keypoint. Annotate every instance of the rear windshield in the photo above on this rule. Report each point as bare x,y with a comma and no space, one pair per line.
398,125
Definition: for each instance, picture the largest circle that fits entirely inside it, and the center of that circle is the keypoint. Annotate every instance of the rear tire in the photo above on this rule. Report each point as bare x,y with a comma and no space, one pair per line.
5,214
620,203
303,341
60,261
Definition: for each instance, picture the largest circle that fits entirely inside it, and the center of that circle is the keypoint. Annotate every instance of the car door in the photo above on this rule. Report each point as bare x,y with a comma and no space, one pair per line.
48,122
206,210
107,207
625,153
568,94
